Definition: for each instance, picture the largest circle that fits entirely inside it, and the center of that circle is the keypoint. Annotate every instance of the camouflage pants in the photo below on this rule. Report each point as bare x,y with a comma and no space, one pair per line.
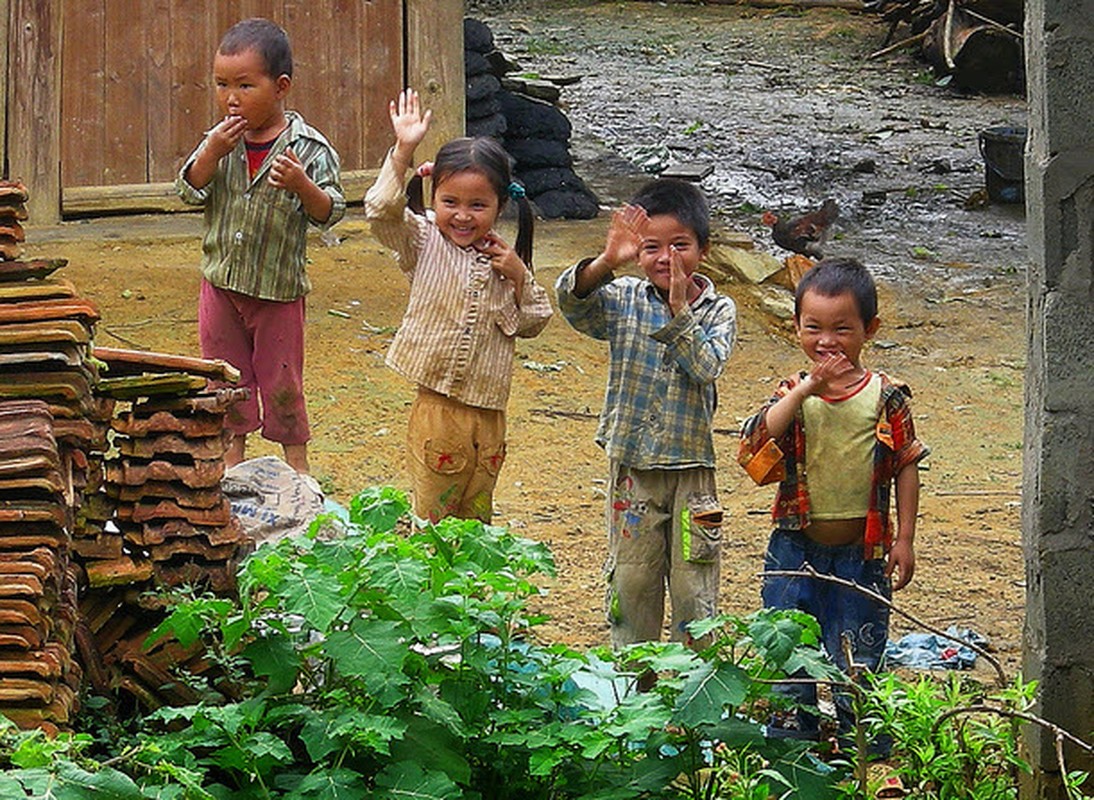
664,532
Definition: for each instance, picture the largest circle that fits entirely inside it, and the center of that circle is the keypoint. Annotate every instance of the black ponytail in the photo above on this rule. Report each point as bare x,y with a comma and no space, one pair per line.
526,227
414,195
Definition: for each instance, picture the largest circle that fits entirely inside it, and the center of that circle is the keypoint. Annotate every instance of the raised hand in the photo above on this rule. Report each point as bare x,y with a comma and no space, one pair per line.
409,121
625,235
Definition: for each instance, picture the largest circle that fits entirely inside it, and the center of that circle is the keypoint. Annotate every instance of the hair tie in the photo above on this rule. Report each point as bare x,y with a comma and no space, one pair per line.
424,170
516,191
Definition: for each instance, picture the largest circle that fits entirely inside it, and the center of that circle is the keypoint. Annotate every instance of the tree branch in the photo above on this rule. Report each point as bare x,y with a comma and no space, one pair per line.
807,571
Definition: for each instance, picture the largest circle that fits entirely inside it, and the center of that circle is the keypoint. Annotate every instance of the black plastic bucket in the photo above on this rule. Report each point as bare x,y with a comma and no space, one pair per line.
1003,150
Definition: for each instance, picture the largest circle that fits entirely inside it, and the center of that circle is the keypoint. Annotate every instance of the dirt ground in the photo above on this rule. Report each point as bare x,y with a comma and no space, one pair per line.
953,328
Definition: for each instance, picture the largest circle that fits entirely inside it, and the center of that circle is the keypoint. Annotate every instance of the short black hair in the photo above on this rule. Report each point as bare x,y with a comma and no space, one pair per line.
268,39
679,199
831,277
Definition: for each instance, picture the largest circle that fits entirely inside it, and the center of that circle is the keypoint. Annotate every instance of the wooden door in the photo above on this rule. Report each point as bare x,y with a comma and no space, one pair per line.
136,85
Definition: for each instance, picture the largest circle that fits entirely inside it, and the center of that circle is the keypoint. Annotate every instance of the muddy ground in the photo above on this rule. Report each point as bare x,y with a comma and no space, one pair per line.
786,92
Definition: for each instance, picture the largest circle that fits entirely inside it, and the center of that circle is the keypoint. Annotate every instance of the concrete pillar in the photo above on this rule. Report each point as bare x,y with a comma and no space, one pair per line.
1058,480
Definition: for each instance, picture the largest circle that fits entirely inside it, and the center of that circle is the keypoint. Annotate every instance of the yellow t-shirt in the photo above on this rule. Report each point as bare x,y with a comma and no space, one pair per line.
839,451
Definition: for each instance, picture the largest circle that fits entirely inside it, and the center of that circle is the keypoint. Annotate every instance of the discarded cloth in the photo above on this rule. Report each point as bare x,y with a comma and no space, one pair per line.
931,651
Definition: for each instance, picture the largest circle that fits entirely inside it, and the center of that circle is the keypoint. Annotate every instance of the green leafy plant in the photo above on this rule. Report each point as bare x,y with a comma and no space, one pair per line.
403,655
975,758
388,658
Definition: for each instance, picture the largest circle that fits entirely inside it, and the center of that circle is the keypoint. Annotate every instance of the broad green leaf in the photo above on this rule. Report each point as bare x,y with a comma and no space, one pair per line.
335,784
736,733
438,710
431,744
408,781
709,692
378,508
370,731
275,658
775,638
402,579
74,783
637,715
314,595
810,778
372,650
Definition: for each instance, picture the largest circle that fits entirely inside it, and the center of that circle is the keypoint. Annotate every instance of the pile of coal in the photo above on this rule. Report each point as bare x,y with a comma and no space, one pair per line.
522,113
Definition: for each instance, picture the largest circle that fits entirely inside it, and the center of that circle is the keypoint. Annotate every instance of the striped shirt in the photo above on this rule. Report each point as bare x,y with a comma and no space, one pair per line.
459,331
768,460
255,233
659,408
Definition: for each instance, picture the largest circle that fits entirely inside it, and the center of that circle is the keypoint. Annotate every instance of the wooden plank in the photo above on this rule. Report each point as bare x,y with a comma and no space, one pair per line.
125,147
434,56
190,63
341,78
83,106
159,112
35,105
82,201
5,39
381,77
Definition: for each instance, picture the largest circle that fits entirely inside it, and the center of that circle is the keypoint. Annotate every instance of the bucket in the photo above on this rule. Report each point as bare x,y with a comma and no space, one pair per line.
1003,150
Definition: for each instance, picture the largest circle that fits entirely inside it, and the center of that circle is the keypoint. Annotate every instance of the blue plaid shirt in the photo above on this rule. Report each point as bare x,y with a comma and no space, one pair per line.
659,408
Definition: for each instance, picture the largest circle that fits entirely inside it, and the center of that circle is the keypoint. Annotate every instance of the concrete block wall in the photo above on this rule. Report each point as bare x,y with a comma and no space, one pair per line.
1058,483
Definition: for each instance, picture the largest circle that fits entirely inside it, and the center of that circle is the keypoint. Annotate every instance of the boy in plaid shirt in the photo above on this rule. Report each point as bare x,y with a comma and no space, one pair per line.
669,336
837,438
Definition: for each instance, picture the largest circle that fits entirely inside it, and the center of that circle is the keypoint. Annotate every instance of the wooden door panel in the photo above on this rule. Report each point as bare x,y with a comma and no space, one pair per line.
137,80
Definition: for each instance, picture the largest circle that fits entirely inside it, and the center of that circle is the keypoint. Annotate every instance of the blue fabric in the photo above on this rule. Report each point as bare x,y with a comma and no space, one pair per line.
930,651
838,609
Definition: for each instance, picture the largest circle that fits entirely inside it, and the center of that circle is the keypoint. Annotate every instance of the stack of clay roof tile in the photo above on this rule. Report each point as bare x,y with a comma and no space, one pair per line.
48,419
83,537
164,479
160,519
39,680
13,211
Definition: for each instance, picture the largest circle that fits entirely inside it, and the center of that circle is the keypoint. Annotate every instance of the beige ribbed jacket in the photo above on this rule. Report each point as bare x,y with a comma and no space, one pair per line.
458,333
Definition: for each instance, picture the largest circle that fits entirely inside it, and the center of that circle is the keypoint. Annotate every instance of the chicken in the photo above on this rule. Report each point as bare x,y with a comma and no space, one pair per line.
805,234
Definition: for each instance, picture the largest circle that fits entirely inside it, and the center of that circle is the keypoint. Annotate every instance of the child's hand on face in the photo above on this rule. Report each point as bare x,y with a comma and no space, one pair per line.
226,135
831,372
408,120
287,172
680,283
503,259
625,235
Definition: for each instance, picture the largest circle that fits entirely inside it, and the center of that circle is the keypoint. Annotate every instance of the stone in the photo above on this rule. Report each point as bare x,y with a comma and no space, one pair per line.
750,266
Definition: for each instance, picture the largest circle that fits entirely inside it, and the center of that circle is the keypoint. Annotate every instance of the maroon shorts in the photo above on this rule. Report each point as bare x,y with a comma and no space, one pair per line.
264,340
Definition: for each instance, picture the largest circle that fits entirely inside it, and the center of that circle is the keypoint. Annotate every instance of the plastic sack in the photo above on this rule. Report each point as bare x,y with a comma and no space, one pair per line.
271,499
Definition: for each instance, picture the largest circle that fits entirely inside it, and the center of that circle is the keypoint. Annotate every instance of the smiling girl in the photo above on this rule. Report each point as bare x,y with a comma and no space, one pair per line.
471,295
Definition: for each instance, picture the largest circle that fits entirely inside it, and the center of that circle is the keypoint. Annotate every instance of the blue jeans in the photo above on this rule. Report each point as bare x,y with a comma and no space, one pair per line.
838,609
